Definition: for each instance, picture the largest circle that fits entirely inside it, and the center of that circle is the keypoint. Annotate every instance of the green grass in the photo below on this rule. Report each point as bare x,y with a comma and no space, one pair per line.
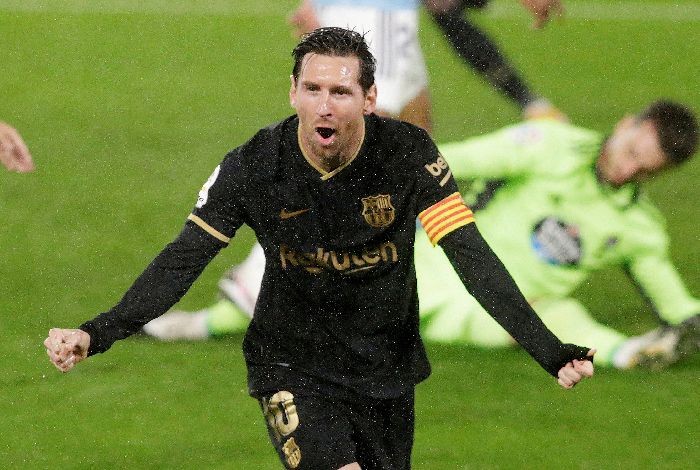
127,106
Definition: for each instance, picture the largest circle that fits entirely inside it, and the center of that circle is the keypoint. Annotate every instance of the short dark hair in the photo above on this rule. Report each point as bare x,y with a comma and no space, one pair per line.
676,127
337,42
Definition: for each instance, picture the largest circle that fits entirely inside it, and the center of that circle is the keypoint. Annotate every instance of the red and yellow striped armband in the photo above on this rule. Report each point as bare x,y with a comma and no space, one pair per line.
445,216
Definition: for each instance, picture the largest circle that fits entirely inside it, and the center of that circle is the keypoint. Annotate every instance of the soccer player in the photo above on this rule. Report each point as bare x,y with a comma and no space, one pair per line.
391,29
556,184
14,154
332,193
568,203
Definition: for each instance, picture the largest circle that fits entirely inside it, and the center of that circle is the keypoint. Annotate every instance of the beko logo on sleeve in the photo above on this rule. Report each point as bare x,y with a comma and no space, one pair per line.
436,169
204,192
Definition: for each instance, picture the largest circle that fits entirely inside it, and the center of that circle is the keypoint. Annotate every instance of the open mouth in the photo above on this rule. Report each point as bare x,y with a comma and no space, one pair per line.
326,134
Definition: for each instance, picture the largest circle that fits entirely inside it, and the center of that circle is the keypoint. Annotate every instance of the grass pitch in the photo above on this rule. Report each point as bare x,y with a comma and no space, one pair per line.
127,106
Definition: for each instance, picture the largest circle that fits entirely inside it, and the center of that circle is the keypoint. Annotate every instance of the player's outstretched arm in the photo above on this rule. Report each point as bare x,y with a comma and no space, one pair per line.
166,279
66,347
575,371
543,10
14,154
489,282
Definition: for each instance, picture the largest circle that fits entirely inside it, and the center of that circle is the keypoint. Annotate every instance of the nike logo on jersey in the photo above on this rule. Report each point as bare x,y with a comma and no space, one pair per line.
284,214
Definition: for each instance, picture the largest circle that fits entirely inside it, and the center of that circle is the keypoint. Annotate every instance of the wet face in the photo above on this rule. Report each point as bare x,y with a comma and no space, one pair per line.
331,106
631,153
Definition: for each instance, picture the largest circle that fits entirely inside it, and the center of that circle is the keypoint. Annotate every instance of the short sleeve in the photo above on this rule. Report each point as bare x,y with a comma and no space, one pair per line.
441,207
218,210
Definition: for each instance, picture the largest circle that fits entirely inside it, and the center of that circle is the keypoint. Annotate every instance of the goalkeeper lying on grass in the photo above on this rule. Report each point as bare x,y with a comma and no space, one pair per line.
567,203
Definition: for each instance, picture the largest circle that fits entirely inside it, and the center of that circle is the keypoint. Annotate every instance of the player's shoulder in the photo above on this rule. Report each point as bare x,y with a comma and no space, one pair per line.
401,141
560,147
260,155
543,131
264,146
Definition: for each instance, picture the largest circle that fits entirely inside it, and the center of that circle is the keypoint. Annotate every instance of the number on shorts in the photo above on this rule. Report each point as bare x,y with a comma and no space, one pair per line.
281,413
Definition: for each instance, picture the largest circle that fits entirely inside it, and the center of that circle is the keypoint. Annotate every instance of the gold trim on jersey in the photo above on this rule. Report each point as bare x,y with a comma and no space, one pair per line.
325,175
445,216
208,228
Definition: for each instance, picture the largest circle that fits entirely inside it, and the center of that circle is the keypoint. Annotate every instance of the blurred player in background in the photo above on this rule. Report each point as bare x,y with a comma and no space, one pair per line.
568,203
14,154
482,54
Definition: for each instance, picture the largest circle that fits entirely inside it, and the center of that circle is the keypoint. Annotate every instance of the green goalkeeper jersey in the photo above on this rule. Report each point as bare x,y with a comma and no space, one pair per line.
553,222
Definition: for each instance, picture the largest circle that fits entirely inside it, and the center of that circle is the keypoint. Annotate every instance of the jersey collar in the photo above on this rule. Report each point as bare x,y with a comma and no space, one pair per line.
325,175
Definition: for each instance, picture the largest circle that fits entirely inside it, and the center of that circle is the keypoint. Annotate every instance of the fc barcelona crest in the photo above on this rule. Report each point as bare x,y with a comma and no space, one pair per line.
292,453
377,210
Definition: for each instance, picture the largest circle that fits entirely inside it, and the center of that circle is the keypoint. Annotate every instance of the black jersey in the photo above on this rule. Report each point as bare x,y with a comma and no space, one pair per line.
338,310
338,300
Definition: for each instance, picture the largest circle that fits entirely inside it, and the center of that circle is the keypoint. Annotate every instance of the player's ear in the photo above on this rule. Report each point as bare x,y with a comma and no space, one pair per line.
293,91
370,100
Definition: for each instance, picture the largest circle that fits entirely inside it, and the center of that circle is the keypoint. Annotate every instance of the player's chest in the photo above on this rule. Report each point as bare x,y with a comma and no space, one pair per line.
577,227
301,211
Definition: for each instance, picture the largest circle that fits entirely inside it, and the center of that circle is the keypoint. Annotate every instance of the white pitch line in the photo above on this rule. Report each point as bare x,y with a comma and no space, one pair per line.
687,12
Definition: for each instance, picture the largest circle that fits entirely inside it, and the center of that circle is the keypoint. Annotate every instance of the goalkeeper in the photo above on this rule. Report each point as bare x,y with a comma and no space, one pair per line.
567,203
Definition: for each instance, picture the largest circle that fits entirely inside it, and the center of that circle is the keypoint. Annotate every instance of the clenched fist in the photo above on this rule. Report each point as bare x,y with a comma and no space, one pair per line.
66,347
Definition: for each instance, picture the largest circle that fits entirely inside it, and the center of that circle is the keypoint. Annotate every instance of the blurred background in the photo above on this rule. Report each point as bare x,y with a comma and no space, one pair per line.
128,105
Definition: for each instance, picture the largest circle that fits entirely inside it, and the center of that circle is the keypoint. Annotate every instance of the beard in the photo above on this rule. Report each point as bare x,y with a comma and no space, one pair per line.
333,161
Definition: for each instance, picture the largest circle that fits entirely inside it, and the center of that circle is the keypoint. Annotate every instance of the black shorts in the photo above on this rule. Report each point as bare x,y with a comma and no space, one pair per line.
326,433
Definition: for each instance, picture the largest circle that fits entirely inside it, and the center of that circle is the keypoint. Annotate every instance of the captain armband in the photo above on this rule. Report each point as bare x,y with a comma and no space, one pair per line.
445,216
